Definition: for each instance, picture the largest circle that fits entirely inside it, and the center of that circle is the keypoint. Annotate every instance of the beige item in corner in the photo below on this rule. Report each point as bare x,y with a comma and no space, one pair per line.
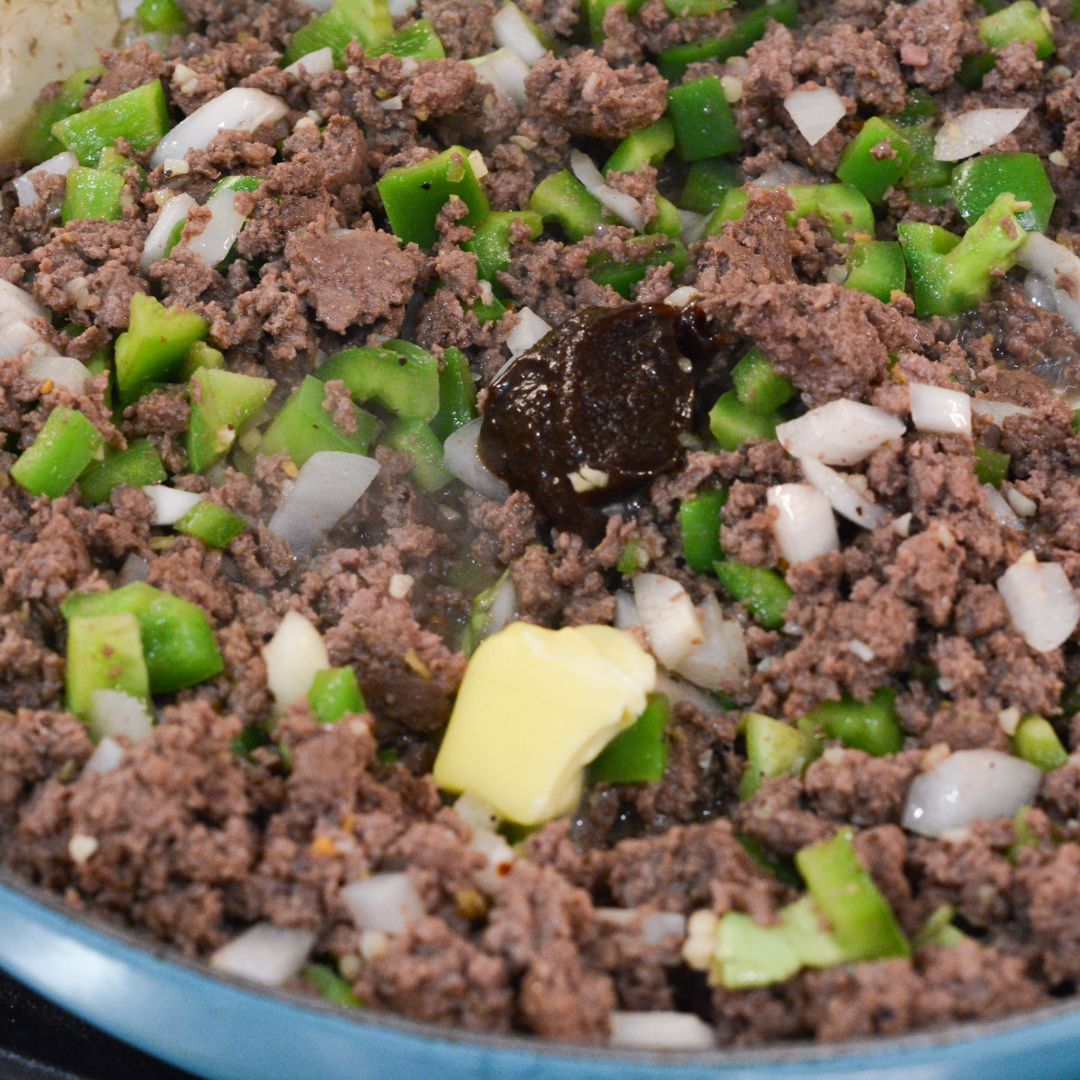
43,40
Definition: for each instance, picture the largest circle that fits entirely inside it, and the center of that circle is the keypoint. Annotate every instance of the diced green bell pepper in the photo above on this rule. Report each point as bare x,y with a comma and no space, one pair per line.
104,652
39,143
872,726
92,194
773,748
304,427
141,116
177,640
413,195
161,17
733,204
138,465
480,612
633,558
691,9
924,172
490,312
214,525
991,466
491,241
762,591
876,267
704,125
331,986
644,147
416,437
595,10
366,21
757,385
844,209
638,755
417,41
56,458
733,424
623,276
200,355
222,402
920,108
699,526
562,198
1023,21
1035,740
976,183
405,384
706,184
457,394
154,345
861,919
938,930
876,158
335,693
667,221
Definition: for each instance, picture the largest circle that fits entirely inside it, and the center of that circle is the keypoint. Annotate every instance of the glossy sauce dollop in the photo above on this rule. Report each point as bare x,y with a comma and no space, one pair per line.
594,411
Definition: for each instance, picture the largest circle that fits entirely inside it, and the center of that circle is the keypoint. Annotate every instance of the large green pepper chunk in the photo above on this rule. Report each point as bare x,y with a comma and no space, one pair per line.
978,182
876,267
844,208
1023,21
762,591
562,198
644,147
141,116
876,158
491,241
366,21
457,394
733,424
773,748
138,465
304,427
39,143
222,402
418,41
59,454
595,10
104,652
216,526
638,755
699,525
161,17
1035,740
154,345
707,182
758,386
335,693
623,276
92,194
704,125
403,380
872,726
415,437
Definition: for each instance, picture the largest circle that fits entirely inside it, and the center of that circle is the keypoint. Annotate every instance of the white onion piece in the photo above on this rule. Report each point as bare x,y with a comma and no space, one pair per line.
693,226
314,63
720,662
499,854
63,371
625,207
506,71
240,109
786,172
293,657
19,338
169,216
513,31
998,411
1060,268
1040,292
815,112
384,903
678,692
972,132
398,8
626,611
685,294
503,607
127,9
669,617
843,498
1001,510
60,165
134,568
843,432
660,1031
1042,602
476,813
940,410
114,713
221,231
805,526
328,487
462,458
16,301
656,927
267,954
106,758
170,504
528,330
966,786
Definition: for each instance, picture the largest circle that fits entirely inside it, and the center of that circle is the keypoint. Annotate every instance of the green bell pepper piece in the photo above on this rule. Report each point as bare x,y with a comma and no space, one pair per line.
920,108
138,465
733,424
418,40
331,986
844,209
763,592
304,427
757,385
862,922
104,652
39,143
773,748
699,526
691,9
56,458
732,207
644,147
1023,21
154,345
457,394
161,17
416,437
407,386
214,525
366,21
876,158
491,241
595,10
991,466
978,182
413,195
938,930
141,116
623,276
335,693
562,198
476,629
489,312
222,402
872,726
92,194
638,755
1035,740
924,172
876,267
633,558
177,640
707,182
667,221
704,125
200,355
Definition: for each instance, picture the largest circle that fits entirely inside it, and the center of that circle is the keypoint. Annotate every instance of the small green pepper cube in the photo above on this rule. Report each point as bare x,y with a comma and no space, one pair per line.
707,182
991,466
699,526
876,158
562,198
844,209
638,755
331,986
872,726
161,17
978,182
418,41
1022,22
141,116
924,171
491,241
1036,741
772,749
668,219
406,385
154,345
222,402
104,652
366,21
92,194
623,276
416,438
200,355
335,693
138,465
733,424
38,142
758,386
762,591
304,427
413,195
732,207
704,125
644,147
59,454
457,394
214,525
920,108
876,267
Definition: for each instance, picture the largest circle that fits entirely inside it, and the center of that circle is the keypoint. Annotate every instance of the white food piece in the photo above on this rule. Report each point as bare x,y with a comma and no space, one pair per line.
940,410
625,207
721,661
106,758
528,330
506,71
669,617
1059,268
170,504
114,713
660,1031
221,231
293,657
169,216
60,165
267,954
972,132
1000,508
842,496
314,63
513,31
815,112
805,526
998,411
1042,602
63,371
462,458
841,432
384,903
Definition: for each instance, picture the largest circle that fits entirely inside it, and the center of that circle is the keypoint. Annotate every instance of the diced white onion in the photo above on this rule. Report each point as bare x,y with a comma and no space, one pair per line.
626,611
499,854
693,226
63,371
60,165
677,691
328,487
170,504
660,1031
1001,510
972,132
669,617
782,174
506,71
476,813
998,411
16,301
843,498
720,662
384,903
625,207
242,108
685,294
1059,268
940,410
293,657
169,216
114,713
19,338
267,954
815,112
314,63
106,758
503,607
395,104
127,9
805,526
1042,602
842,432
321,5
967,786
528,330
462,458
1019,502
398,8
656,927
513,31
221,231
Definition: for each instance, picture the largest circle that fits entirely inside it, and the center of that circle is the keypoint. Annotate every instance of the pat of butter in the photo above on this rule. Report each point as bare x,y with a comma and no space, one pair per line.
535,707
